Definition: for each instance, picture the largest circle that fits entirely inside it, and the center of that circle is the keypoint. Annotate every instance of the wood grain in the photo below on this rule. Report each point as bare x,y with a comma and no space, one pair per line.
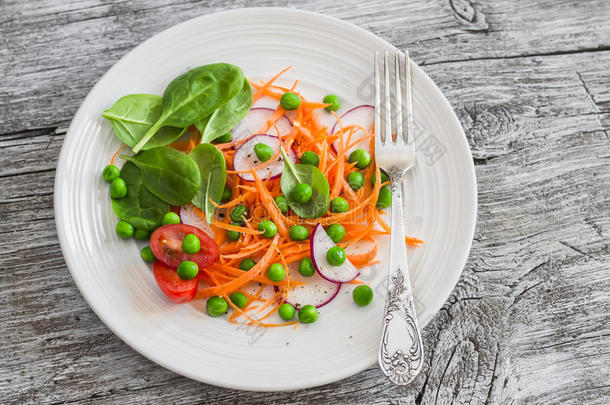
528,321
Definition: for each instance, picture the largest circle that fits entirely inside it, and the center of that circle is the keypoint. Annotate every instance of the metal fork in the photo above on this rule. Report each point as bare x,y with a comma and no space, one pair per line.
401,351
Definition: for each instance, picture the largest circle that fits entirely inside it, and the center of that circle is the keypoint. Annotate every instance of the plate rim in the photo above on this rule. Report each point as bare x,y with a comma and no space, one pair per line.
62,162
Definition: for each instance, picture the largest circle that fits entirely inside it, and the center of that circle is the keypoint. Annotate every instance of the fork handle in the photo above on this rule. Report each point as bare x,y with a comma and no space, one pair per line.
401,350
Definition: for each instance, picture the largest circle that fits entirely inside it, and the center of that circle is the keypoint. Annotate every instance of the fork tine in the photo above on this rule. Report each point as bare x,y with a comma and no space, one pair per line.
387,93
400,136
378,129
410,136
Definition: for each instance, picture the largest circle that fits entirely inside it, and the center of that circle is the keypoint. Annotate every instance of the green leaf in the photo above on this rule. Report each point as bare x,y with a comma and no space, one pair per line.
170,175
212,167
294,174
140,207
194,95
226,117
134,114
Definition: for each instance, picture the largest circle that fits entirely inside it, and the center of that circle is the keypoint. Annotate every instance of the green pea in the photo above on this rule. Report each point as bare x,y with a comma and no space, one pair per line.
191,244
141,234
268,228
124,229
384,178
298,232
385,198
335,256
147,254
355,180
224,138
110,173
310,158
334,102
276,272
263,152
363,295
226,194
336,232
171,218
286,311
188,270
281,203
238,299
290,101
216,306
338,204
306,267
118,188
239,213
302,193
233,235
246,264
308,314
361,157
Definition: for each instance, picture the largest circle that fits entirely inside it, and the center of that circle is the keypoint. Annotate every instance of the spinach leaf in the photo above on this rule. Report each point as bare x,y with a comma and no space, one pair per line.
133,115
294,174
170,175
194,95
212,167
140,207
226,117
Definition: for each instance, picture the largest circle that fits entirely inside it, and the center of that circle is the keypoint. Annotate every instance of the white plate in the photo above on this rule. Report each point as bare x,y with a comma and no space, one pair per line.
329,56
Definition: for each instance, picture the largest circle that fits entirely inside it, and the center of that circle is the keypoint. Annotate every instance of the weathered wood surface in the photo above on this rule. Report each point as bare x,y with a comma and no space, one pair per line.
527,323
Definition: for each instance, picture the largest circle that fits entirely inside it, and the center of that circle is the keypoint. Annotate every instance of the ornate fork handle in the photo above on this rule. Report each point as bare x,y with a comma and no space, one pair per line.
401,353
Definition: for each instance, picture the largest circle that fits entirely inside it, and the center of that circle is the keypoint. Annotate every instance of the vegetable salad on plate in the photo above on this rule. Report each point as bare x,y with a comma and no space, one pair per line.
260,211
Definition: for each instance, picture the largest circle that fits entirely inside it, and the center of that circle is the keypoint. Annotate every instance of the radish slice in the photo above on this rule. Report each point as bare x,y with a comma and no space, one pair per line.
315,291
320,243
253,287
256,121
189,216
245,158
363,115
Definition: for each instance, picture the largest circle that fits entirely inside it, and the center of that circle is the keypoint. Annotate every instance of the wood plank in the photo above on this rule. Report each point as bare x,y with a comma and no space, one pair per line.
52,53
527,323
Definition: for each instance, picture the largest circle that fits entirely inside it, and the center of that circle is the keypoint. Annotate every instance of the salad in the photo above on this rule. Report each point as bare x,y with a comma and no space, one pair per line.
260,211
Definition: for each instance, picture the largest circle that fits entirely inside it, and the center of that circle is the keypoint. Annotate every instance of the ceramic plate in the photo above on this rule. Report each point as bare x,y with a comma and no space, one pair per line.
329,56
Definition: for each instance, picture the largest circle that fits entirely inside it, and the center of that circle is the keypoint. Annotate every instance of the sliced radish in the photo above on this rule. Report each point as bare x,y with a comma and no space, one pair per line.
315,291
254,287
190,216
320,243
363,115
256,121
245,158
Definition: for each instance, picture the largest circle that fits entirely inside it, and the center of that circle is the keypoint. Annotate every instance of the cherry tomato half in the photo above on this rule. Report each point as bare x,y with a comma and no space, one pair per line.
166,244
175,288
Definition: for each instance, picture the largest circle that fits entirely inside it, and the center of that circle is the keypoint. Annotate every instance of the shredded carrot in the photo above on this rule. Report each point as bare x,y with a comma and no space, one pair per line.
237,228
314,105
243,279
364,258
231,203
117,154
363,221
413,241
260,93
269,204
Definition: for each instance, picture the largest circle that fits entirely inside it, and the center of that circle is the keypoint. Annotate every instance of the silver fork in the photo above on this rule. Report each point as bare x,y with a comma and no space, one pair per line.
401,351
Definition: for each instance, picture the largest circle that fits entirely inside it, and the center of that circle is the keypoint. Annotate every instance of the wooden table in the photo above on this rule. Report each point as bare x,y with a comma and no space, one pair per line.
527,323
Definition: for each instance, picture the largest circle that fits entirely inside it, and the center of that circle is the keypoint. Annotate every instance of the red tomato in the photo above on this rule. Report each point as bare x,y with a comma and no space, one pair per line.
176,289
166,244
